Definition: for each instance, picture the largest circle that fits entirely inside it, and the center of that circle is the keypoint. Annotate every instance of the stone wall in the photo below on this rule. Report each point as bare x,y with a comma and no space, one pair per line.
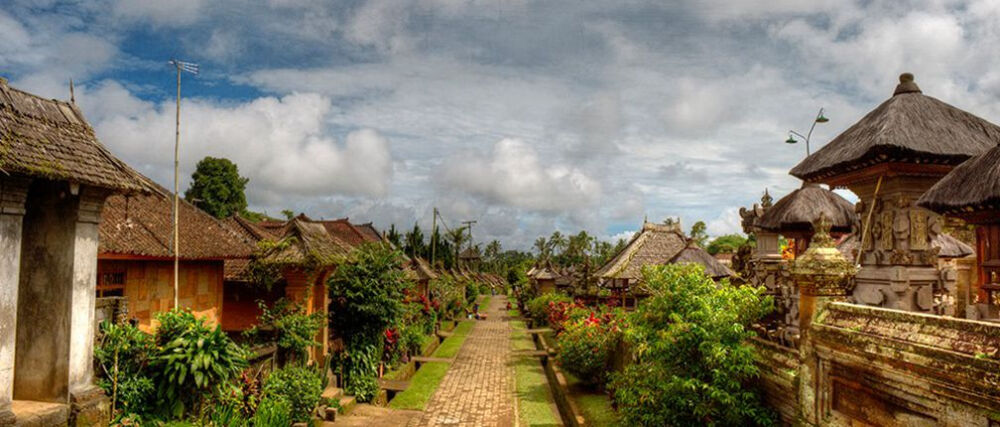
889,368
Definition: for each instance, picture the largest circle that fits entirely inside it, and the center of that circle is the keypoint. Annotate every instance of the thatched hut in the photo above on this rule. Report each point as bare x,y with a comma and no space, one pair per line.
889,158
792,215
655,244
972,192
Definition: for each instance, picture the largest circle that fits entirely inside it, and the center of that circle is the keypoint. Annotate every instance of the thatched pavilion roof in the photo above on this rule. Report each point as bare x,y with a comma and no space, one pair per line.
950,247
972,186
797,210
909,127
655,244
694,254
50,139
421,269
307,242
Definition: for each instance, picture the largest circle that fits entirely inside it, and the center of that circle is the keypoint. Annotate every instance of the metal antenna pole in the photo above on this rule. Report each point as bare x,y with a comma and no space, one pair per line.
177,144
193,69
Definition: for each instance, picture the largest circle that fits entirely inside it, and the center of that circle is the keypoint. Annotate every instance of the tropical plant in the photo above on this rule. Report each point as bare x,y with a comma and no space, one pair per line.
273,411
122,354
294,331
299,386
694,365
192,361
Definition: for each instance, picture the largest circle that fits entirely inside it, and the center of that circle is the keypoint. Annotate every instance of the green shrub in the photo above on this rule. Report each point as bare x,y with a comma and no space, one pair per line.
367,295
191,363
412,339
294,330
694,365
538,308
122,354
298,386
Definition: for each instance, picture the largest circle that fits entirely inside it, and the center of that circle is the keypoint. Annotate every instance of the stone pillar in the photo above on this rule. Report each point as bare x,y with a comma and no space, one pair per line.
89,405
13,192
823,276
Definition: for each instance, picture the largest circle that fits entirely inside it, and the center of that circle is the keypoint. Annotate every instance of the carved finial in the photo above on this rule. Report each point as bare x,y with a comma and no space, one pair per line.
821,232
72,96
766,199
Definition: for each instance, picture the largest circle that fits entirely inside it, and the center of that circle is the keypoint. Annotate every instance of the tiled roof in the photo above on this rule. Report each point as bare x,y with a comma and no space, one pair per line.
369,232
343,230
50,139
142,225
308,241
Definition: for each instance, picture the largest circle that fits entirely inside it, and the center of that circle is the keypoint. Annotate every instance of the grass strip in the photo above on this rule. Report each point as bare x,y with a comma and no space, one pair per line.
449,348
594,405
535,405
484,302
422,387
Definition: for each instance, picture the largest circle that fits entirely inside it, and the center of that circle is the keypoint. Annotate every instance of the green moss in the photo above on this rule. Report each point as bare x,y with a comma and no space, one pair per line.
422,387
449,348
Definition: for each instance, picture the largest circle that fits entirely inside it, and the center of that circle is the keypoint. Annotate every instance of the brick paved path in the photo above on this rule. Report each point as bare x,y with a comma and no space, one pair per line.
478,388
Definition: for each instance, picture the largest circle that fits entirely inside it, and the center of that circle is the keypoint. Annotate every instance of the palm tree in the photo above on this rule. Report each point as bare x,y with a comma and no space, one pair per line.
457,238
542,246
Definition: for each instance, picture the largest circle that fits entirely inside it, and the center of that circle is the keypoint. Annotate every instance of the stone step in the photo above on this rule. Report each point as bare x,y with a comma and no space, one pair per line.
538,331
347,404
332,393
330,414
391,385
422,359
530,353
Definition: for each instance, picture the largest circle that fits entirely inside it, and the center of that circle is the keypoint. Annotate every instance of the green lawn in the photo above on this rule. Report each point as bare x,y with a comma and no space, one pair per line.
484,302
534,399
422,386
513,313
449,348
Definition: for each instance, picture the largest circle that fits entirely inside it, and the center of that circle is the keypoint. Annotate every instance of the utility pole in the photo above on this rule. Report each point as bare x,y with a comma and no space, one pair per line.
434,236
468,224
193,69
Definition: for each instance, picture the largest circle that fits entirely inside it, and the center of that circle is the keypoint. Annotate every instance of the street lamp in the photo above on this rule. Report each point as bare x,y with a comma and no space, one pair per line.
820,118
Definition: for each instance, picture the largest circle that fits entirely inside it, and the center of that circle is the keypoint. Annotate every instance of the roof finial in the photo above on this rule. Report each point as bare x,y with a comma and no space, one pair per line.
72,96
906,85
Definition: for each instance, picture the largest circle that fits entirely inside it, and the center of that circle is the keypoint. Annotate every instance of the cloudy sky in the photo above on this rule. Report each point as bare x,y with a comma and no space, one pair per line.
526,115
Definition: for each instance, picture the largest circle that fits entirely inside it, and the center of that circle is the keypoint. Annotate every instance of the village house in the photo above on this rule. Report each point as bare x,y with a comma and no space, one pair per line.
55,179
655,244
135,257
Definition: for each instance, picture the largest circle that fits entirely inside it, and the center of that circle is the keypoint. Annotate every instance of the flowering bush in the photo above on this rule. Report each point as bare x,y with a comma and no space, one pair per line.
538,308
587,343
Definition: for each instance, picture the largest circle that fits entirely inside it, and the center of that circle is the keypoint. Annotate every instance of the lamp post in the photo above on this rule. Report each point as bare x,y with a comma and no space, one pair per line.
820,118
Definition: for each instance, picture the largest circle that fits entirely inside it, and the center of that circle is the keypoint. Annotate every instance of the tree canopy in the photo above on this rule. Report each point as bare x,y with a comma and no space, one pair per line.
218,188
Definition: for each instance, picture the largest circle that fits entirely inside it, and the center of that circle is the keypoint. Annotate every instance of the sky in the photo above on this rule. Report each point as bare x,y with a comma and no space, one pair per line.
526,116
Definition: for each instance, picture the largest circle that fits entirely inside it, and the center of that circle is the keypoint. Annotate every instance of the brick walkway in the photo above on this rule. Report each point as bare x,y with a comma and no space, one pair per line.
478,389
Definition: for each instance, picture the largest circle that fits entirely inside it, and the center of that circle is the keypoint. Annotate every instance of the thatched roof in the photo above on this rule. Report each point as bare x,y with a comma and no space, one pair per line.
694,254
142,225
950,247
797,210
307,242
421,269
47,138
909,127
972,186
469,253
655,244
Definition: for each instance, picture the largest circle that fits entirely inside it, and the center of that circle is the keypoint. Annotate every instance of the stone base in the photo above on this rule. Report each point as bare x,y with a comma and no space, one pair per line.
89,408
30,413
7,417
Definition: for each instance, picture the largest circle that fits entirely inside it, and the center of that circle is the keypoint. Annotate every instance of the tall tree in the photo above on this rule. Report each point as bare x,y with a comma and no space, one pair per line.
542,246
457,238
218,188
414,240
699,233
394,237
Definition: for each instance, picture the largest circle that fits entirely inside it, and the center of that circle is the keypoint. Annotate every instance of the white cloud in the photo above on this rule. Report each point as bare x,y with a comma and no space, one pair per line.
165,13
282,144
513,174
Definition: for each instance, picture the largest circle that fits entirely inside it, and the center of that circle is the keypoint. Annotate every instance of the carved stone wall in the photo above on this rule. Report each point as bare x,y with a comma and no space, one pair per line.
899,266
